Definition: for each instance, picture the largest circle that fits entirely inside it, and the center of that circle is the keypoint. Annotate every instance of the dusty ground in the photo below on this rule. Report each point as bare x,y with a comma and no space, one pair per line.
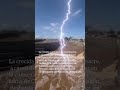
104,50
66,80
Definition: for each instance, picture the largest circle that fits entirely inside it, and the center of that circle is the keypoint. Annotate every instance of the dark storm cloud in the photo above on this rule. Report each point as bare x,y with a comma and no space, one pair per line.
105,12
8,27
28,4
17,12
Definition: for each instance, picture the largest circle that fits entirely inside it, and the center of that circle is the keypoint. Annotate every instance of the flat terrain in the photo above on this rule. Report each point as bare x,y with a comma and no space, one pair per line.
63,81
106,51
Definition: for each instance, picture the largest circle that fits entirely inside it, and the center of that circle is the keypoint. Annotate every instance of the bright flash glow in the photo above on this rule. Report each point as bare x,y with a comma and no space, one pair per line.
62,41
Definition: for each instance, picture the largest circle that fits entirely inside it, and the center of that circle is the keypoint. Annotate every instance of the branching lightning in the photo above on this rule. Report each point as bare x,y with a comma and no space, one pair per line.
65,58
62,41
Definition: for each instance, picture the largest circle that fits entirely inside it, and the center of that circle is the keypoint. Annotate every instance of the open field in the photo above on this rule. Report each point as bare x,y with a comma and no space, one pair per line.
65,80
106,52
15,49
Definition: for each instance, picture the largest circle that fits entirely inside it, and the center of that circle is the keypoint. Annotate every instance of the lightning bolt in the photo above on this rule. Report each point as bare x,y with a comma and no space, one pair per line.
62,41
62,45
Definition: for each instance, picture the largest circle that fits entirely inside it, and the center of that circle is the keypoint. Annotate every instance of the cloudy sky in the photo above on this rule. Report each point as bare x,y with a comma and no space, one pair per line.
102,12
16,12
49,15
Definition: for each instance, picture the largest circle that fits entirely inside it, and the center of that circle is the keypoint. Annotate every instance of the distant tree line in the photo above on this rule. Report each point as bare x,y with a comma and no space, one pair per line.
11,33
68,38
90,31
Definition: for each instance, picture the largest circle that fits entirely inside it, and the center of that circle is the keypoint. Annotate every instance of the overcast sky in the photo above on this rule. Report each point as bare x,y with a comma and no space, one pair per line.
17,12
